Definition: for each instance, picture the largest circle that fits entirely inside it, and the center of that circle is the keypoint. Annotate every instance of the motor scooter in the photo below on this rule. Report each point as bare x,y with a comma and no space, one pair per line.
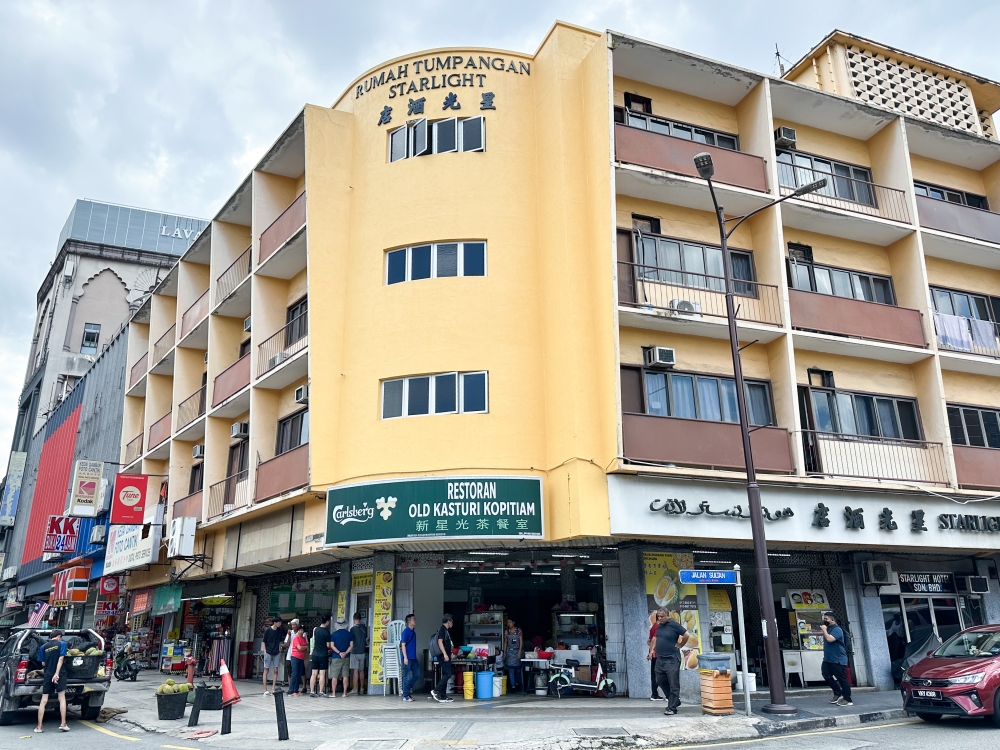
563,680
126,667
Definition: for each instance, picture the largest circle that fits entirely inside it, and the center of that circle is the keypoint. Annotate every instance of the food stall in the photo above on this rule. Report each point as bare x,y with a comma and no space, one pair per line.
805,655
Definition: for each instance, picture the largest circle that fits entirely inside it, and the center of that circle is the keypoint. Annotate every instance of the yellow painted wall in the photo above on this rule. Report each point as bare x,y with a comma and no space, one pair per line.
946,175
969,388
694,353
812,140
948,273
840,252
678,221
678,106
857,374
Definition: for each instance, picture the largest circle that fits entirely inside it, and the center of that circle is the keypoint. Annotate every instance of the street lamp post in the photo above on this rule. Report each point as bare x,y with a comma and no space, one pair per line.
769,623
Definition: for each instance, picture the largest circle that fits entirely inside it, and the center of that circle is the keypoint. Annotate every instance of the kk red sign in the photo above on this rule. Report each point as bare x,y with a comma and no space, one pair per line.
128,503
61,534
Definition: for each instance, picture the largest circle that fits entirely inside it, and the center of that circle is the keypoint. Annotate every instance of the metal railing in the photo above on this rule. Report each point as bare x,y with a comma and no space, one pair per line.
230,494
194,314
868,457
846,193
233,276
159,431
285,344
191,408
690,296
974,336
133,449
138,370
164,344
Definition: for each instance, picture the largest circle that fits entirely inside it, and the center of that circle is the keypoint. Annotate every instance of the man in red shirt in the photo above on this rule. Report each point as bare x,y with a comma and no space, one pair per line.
651,657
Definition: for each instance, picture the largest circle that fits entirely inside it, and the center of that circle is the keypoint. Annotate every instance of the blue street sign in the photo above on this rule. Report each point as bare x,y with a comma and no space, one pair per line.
708,576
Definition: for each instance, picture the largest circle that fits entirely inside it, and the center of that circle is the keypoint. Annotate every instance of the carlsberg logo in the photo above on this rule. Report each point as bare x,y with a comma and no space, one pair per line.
343,515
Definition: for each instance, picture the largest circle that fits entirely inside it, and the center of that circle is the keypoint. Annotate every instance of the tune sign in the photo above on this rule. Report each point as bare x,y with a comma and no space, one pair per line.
128,504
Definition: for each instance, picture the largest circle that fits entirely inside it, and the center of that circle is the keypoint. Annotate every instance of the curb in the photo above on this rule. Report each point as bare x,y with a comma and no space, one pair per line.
770,729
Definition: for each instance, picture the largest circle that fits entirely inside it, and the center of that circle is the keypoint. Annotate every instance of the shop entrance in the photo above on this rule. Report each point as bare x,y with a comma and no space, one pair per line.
363,606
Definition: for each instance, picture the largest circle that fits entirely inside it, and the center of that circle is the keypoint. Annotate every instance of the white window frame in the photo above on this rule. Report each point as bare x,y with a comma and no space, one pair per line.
432,145
434,248
432,397
482,134
461,392
458,135
406,144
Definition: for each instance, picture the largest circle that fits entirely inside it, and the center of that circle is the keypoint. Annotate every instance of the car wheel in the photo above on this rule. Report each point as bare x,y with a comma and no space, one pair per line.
931,717
996,709
6,716
89,712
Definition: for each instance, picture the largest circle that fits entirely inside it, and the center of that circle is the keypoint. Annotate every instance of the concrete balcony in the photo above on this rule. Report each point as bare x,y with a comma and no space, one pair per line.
190,426
194,323
695,442
825,313
231,494
283,473
281,358
955,218
163,349
282,229
133,450
137,372
877,458
231,381
977,467
232,288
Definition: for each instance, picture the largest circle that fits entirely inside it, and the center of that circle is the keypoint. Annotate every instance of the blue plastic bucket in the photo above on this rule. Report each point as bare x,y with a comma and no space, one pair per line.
714,660
484,685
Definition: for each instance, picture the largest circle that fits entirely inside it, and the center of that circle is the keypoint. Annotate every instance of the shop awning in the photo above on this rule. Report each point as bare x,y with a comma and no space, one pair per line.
167,599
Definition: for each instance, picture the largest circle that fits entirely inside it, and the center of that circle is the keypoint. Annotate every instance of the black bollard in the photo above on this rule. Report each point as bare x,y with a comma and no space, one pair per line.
279,709
199,697
227,720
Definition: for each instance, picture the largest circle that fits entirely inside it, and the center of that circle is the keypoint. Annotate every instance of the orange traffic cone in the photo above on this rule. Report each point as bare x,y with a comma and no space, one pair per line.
229,693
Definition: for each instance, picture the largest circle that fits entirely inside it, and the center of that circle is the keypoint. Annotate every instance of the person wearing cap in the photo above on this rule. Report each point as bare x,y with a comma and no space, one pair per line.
293,625
54,678
340,659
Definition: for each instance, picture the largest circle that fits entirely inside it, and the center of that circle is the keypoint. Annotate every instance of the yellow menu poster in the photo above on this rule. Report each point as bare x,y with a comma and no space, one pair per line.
664,589
381,618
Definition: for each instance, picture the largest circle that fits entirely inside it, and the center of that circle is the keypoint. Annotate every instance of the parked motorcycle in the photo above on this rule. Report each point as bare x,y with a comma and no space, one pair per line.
126,667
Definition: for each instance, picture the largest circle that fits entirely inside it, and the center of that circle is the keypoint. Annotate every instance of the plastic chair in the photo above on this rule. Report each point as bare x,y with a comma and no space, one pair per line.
793,665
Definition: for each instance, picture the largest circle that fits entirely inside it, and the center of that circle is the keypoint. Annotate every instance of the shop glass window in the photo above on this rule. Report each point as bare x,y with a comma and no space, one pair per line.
838,282
691,264
973,426
705,397
639,119
964,304
444,393
951,196
845,413
293,431
91,338
435,260
845,181
424,137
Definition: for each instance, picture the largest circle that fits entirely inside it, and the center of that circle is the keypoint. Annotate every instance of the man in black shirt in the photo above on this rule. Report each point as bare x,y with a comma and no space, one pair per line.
665,649
320,658
440,693
52,655
274,637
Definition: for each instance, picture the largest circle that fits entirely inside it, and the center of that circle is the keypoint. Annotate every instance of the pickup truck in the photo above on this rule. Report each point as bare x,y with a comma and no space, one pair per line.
87,677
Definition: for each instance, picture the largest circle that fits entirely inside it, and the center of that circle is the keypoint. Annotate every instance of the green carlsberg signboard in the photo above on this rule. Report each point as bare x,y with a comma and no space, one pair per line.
501,507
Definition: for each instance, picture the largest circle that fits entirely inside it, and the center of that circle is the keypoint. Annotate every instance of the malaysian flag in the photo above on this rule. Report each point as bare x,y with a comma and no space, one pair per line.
38,611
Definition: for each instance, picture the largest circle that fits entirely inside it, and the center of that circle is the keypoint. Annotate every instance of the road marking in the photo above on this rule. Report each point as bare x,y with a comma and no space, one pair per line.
179,747
92,725
786,736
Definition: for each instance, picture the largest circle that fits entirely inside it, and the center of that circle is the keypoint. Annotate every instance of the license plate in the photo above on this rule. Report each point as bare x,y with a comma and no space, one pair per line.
73,690
927,694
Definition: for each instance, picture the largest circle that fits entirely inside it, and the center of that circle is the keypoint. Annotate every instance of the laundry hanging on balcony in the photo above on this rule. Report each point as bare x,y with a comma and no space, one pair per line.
953,332
982,334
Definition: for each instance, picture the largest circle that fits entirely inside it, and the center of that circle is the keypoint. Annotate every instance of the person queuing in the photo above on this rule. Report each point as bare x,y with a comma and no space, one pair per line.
665,648
297,651
286,648
359,654
340,658
834,669
443,640
651,657
320,657
513,651
274,637
411,665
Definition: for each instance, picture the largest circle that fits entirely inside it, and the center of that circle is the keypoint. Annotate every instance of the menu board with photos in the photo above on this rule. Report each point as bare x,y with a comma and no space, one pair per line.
664,589
382,616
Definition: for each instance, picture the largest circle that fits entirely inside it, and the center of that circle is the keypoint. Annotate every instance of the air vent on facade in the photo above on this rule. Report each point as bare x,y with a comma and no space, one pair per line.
658,356
972,584
878,573
198,451
246,324
302,394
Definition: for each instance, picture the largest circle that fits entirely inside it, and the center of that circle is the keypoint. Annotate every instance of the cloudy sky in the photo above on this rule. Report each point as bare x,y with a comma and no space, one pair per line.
168,105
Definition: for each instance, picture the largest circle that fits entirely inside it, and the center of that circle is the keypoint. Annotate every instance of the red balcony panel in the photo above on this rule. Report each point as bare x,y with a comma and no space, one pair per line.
282,473
977,467
958,219
232,380
851,317
693,442
194,314
188,506
138,370
658,151
290,221
159,431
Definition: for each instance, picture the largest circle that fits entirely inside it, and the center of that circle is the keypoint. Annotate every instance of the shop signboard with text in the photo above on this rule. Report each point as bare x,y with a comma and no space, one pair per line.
665,590
382,607
131,547
62,534
128,502
12,488
496,507
84,499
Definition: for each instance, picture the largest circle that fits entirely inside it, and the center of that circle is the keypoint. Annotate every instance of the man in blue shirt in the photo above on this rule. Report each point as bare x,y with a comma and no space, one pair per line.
342,643
52,654
411,665
835,660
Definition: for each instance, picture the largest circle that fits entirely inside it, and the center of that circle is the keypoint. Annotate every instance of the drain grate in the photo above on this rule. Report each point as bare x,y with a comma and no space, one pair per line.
602,732
378,745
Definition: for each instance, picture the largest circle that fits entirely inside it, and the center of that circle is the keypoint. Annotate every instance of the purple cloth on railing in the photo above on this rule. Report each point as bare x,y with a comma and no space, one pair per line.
983,335
952,331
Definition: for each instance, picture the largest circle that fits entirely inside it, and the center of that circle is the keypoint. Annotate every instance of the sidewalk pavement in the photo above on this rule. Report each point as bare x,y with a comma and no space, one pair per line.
513,722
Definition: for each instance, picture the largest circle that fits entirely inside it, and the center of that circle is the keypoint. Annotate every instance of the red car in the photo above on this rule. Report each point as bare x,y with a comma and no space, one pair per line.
959,679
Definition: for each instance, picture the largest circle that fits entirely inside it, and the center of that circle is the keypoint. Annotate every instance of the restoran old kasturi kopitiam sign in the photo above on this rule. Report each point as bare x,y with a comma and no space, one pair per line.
498,507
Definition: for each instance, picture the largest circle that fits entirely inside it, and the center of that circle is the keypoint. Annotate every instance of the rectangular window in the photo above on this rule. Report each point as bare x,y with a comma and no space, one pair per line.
964,304
398,143
662,259
445,393
91,338
473,132
423,137
848,182
970,425
813,277
705,397
438,260
293,431
639,118
951,196
656,394
197,478
845,413
446,136
296,321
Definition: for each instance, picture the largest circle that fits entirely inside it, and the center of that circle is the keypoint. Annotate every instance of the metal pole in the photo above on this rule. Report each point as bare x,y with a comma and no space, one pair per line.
743,640
769,623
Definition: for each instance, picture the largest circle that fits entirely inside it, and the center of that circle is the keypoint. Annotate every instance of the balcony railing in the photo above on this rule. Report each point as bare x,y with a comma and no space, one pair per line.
188,506
283,345
283,473
191,408
194,314
977,467
133,449
230,494
958,219
690,296
846,193
163,346
291,220
866,457
159,430
696,442
233,276
232,380
967,335
138,370
842,316
672,154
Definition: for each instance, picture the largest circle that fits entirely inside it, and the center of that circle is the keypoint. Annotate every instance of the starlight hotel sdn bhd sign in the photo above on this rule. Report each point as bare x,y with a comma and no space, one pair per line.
438,72
453,507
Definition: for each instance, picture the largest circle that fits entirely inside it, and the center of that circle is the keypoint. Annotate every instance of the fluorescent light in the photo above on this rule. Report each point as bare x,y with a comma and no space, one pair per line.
450,567
499,554
467,562
583,557
544,574
578,570
778,554
487,572
510,568
599,565
705,552
597,575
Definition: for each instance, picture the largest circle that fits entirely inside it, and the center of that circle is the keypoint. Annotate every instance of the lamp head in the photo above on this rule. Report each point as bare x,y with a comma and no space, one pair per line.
703,163
812,187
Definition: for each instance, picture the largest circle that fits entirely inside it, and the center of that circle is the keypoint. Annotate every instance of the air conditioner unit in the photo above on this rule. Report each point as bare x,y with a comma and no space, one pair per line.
240,430
181,542
302,394
685,307
98,534
246,324
658,356
276,360
784,137
197,451
972,584
878,573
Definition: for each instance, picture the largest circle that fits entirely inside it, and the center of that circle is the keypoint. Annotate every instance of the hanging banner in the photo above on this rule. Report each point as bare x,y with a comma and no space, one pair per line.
341,605
62,534
664,589
382,608
12,490
128,502
83,497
